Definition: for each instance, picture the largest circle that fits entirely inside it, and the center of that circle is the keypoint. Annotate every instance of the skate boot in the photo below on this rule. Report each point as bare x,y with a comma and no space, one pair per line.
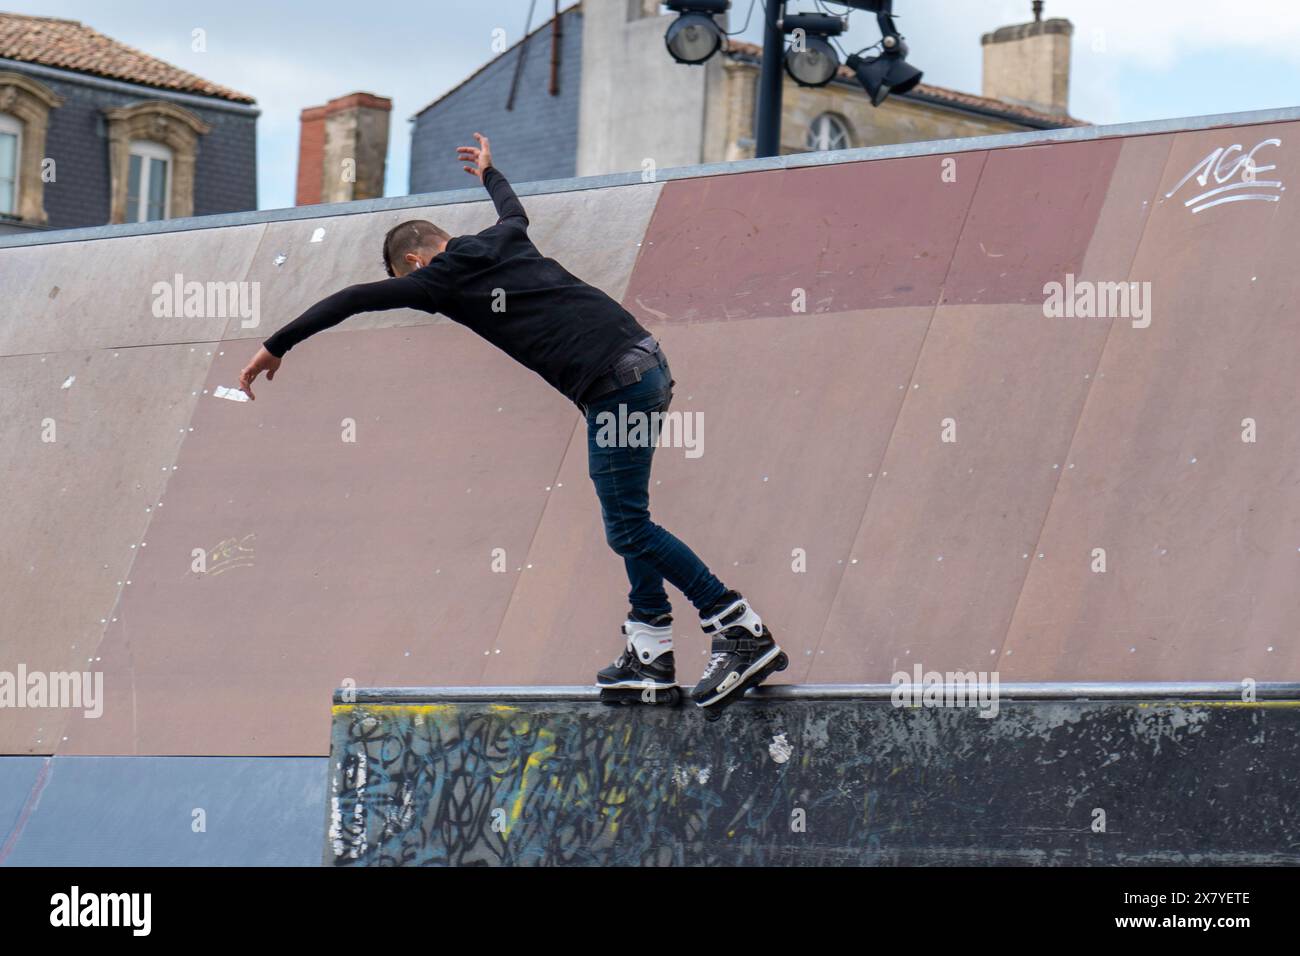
742,656
644,672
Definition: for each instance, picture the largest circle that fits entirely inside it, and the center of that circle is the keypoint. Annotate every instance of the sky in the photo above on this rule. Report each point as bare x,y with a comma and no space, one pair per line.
1132,60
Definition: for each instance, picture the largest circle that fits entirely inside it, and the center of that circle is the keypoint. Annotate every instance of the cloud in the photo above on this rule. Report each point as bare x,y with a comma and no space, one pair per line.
1158,34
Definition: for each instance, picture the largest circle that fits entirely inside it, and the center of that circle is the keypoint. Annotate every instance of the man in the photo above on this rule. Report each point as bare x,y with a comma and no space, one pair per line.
593,351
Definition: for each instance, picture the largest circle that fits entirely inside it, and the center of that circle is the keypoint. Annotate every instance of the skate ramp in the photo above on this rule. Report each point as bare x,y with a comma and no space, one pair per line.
811,777
405,507
161,811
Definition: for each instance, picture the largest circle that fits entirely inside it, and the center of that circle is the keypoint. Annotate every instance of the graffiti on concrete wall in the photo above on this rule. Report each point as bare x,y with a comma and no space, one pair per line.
450,784
811,783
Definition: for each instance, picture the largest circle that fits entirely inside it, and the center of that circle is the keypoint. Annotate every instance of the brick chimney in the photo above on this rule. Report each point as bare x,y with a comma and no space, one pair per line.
342,149
1029,63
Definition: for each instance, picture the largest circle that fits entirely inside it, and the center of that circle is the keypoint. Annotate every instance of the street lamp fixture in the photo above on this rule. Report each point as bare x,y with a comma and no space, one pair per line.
695,36
889,71
811,60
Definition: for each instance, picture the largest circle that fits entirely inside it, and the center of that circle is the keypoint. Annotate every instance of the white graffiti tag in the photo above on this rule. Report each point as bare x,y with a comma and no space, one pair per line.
1224,189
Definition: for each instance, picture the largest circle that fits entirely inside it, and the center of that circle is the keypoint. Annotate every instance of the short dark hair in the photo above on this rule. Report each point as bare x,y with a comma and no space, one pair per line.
410,236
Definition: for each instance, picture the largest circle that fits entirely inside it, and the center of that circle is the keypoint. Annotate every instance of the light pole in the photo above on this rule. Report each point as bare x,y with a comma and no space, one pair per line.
767,138
695,36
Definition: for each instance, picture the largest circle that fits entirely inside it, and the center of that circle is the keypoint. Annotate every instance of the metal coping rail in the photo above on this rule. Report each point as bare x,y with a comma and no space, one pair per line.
859,154
1190,691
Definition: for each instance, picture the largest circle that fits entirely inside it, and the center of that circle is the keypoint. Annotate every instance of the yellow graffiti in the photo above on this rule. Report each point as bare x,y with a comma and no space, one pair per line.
1221,703
532,763
343,710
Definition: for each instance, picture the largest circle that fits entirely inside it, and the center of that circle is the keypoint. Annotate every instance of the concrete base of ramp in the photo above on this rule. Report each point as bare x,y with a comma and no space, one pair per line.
160,811
816,776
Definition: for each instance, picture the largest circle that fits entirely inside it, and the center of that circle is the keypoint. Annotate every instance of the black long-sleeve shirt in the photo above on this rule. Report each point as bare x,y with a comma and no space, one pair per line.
550,321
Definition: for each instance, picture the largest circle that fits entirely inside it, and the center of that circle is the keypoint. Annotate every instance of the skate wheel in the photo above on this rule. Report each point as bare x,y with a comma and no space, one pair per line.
781,662
672,697
713,714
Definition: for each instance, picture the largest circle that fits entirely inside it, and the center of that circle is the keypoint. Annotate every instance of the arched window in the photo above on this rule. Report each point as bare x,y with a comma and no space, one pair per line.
11,139
827,131
148,189
152,151
25,106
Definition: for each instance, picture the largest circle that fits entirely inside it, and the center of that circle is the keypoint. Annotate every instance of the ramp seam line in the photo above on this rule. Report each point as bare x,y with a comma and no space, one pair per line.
884,455
541,516
1083,406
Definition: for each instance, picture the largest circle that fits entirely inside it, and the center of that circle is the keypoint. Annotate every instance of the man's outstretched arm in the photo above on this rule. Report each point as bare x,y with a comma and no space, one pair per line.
509,208
400,293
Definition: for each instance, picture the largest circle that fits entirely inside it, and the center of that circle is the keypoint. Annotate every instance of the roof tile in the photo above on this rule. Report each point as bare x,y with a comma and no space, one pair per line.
71,45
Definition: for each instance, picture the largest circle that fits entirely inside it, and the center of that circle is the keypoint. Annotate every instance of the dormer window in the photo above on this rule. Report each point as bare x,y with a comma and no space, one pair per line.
11,133
148,187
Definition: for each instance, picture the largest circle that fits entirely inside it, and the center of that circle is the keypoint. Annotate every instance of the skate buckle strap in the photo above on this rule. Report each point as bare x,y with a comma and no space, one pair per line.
737,614
734,645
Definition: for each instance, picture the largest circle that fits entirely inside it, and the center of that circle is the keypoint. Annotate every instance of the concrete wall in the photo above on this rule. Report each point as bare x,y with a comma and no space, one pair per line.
146,811
814,783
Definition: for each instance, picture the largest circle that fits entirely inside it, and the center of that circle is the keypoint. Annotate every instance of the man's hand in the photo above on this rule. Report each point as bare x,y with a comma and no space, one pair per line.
263,361
480,156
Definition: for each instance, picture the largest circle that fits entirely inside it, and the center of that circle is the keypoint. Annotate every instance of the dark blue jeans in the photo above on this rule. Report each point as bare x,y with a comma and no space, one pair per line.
621,474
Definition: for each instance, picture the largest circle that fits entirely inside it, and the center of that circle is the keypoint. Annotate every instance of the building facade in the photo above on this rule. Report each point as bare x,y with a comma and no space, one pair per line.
594,91
94,132
526,99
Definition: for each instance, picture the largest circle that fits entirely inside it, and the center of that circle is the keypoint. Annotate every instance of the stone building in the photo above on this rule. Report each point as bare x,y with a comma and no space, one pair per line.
594,91
95,132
